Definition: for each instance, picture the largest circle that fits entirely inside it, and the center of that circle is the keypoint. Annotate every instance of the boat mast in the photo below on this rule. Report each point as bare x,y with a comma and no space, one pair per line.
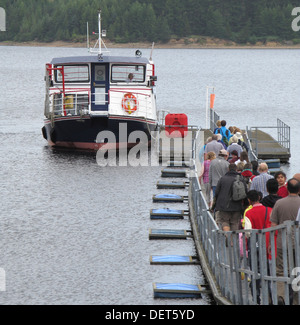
99,41
100,32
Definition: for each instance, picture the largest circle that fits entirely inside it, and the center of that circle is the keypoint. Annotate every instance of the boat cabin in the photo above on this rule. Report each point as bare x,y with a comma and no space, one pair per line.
100,86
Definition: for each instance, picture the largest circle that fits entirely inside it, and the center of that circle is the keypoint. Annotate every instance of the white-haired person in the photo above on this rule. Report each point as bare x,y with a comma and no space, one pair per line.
259,183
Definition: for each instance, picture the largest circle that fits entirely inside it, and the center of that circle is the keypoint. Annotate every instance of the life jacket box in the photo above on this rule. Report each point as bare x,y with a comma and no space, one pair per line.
176,125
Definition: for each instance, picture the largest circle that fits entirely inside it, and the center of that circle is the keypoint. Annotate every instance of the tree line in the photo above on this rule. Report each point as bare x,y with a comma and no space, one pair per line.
240,21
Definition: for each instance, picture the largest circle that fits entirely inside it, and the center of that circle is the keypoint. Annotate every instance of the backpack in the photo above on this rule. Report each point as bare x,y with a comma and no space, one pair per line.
225,140
224,136
238,189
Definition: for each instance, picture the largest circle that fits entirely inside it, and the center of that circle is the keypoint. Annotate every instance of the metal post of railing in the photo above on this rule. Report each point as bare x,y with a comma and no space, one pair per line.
90,102
290,237
254,265
75,98
215,268
285,265
273,282
256,141
209,239
297,255
237,266
244,267
291,257
223,282
288,137
263,267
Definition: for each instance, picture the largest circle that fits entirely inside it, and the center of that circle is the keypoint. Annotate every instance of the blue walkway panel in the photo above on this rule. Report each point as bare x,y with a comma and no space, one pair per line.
169,198
178,163
167,214
169,234
173,172
173,260
172,185
273,163
178,290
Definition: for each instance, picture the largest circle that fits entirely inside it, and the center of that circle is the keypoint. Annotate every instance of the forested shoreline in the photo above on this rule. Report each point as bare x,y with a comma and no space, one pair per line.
239,21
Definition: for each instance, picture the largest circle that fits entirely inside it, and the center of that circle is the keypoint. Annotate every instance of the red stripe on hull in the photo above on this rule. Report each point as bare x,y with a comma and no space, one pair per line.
93,146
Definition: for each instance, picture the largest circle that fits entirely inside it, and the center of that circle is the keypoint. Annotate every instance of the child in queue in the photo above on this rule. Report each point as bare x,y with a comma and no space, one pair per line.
282,185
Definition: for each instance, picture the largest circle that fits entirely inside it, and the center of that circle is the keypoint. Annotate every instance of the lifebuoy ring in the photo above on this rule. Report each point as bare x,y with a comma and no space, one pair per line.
129,103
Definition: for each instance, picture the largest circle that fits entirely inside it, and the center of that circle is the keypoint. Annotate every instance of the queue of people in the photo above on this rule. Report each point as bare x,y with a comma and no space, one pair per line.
268,200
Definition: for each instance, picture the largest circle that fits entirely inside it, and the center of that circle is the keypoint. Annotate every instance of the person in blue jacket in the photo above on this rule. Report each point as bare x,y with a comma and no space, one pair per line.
226,134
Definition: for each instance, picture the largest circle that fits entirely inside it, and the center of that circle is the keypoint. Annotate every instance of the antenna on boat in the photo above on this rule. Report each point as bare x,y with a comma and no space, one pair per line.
99,42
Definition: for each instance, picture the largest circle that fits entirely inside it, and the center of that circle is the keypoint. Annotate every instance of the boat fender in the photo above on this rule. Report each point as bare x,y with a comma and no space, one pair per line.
44,133
53,136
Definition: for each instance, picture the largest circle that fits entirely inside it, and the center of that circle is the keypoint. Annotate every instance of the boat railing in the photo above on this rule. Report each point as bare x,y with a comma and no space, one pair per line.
74,102
141,102
80,102
161,115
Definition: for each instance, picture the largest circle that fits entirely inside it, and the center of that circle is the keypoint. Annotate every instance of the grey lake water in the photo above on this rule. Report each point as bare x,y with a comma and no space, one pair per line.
72,232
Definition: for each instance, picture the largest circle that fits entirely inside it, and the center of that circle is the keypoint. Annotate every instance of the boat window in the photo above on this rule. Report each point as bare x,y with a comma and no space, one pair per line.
128,73
99,72
73,73
100,96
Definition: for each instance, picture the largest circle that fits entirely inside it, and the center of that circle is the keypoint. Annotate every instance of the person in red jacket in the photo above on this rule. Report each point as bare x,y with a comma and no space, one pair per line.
259,217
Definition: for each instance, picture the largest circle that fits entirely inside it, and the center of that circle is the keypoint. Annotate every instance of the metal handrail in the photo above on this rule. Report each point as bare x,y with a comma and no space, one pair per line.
283,136
214,117
228,262
251,154
59,107
225,261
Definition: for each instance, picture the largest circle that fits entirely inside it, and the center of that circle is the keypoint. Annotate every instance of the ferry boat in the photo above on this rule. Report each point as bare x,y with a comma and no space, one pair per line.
100,100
